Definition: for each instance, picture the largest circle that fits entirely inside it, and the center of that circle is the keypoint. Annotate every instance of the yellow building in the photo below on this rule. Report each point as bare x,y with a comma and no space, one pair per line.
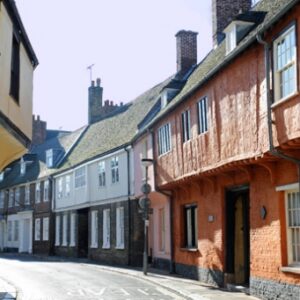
17,63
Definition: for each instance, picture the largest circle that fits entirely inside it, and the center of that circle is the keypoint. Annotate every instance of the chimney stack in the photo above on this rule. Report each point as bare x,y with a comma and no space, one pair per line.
186,42
95,101
223,11
39,131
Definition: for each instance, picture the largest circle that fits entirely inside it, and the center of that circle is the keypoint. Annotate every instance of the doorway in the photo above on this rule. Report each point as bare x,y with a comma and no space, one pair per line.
237,236
83,230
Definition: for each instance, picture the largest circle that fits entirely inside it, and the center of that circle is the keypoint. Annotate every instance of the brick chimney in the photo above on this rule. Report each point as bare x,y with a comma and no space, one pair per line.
95,101
223,11
39,131
186,45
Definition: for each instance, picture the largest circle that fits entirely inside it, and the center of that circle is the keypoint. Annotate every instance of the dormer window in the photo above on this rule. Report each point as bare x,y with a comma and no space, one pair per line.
167,95
235,32
49,158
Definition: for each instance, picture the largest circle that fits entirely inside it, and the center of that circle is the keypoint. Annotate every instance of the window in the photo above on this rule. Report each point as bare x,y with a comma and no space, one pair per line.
17,196
120,228
15,69
106,229
293,226
37,230
202,115
57,230
49,158
162,233
101,173
164,139
65,230
115,169
11,198
1,176
38,192
80,177
191,235
16,230
2,199
94,232
68,185
27,195
45,229
60,188
46,190
231,38
9,231
72,230
22,167
285,64
186,125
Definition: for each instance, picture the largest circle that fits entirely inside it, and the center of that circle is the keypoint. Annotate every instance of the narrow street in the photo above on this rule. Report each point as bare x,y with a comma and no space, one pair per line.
57,280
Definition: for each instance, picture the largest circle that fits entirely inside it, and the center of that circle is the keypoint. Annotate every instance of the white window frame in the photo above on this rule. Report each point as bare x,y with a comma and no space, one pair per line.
164,139
11,195
17,196
230,38
1,176
60,188
114,164
293,216
202,115
27,195
46,229
80,177
67,185
46,190
49,158
292,63
106,229
57,230
101,174
22,167
37,229
72,229
65,230
120,238
94,229
186,125
38,192
2,198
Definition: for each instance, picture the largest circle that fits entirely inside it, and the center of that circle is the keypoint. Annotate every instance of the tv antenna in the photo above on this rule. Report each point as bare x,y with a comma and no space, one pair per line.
91,71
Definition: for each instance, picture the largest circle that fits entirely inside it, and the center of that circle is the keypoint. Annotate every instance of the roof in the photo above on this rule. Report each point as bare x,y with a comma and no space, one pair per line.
36,167
114,132
217,58
16,19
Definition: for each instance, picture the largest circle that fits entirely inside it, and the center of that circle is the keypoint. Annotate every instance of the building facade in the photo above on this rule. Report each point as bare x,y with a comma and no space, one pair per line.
17,64
230,158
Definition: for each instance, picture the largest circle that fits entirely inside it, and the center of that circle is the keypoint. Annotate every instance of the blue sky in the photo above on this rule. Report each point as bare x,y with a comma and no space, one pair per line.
131,43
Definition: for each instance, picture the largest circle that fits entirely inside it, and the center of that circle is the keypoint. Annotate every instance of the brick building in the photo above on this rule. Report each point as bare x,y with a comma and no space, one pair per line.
230,159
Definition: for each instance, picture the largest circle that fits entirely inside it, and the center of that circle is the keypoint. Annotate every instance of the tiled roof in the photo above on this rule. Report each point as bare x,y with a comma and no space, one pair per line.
217,59
114,132
36,160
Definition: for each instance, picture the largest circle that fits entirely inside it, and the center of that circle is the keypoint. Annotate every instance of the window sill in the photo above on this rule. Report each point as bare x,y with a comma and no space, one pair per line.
295,270
72,245
120,248
283,100
189,249
94,246
106,247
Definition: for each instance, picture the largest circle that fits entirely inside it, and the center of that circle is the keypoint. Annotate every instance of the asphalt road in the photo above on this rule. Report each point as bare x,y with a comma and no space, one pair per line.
58,280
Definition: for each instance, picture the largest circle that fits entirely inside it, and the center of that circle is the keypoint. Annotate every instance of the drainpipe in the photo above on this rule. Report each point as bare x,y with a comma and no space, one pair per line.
170,197
128,203
272,149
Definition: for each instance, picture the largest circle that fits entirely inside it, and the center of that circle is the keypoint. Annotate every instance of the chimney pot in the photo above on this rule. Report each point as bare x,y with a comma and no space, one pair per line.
121,104
93,83
98,80
111,103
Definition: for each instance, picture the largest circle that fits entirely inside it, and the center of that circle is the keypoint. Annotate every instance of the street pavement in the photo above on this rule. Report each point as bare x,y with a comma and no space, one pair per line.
43,278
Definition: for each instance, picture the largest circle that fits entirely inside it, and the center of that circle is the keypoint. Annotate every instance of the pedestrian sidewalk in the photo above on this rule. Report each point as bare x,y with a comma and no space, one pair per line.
7,291
186,288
